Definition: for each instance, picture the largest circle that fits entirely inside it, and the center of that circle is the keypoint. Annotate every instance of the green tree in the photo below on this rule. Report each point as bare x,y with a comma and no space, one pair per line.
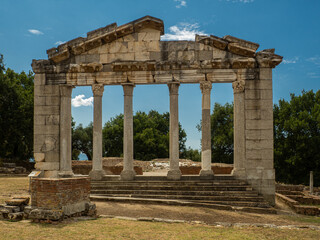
297,138
16,115
82,141
221,133
192,154
151,136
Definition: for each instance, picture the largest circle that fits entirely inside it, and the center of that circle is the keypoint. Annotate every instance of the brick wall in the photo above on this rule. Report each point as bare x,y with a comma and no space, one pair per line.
58,193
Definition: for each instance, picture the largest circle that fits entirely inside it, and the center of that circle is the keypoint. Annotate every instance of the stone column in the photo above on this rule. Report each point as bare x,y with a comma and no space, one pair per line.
97,170
174,173
128,172
65,131
239,152
206,171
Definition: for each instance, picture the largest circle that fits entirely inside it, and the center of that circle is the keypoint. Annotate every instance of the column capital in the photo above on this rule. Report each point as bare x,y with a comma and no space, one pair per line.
238,86
66,90
205,87
173,87
128,88
97,90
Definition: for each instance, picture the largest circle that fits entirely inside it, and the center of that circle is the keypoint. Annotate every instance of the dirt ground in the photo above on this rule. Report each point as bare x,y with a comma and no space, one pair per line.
209,216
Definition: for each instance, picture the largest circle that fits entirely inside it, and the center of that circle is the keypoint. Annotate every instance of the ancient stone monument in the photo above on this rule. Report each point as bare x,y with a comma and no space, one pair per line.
133,54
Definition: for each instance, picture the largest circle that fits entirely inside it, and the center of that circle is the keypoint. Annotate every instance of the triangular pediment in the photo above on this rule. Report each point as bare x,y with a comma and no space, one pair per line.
105,35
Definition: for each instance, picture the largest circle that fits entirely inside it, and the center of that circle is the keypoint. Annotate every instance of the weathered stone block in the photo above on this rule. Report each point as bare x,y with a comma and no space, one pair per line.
257,154
53,156
265,73
141,56
47,129
259,134
258,94
259,114
39,79
108,58
47,165
205,55
52,119
258,104
118,47
259,144
39,157
148,34
259,124
186,55
52,100
155,56
52,90
259,163
39,100
39,120
47,110
259,84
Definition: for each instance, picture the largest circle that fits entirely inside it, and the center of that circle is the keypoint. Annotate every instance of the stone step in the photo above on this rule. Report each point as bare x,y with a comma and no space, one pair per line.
178,188
192,197
222,201
288,192
171,192
164,178
171,183
183,203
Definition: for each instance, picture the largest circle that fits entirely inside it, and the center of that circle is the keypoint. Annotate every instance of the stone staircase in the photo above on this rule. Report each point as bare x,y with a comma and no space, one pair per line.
224,192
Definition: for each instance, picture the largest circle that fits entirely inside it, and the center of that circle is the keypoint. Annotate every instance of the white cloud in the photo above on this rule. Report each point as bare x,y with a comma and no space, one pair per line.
183,31
315,60
181,3
59,42
35,32
80,100
313,75
290,61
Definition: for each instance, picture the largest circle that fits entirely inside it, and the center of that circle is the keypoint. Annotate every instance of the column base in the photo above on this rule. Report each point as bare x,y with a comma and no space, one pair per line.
66,174
239,173
174,175
127,175
206,174
96,174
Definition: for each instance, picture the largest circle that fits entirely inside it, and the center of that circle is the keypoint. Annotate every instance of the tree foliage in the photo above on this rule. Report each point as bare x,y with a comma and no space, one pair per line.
221,133
297,138
16,115
82,141
151,137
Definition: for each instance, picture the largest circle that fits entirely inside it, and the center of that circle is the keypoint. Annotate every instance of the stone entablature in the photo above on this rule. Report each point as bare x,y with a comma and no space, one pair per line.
133,54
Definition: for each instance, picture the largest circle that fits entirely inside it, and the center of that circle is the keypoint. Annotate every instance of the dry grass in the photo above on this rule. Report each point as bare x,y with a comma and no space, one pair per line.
122,229
13,186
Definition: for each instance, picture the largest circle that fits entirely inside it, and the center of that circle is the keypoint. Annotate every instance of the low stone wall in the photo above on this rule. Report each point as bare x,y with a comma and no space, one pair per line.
11,168
195,170
84,167
55,198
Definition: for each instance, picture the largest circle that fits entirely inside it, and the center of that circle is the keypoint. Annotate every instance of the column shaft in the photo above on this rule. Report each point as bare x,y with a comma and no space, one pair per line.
206,171
65,132
97,170
128,172
174,173
239,129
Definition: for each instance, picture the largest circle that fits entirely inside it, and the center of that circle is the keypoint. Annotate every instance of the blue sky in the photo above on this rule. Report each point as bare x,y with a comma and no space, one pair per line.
30,27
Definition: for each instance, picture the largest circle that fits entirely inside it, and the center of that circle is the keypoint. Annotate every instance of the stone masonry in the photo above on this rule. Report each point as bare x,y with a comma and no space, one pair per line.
133,54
